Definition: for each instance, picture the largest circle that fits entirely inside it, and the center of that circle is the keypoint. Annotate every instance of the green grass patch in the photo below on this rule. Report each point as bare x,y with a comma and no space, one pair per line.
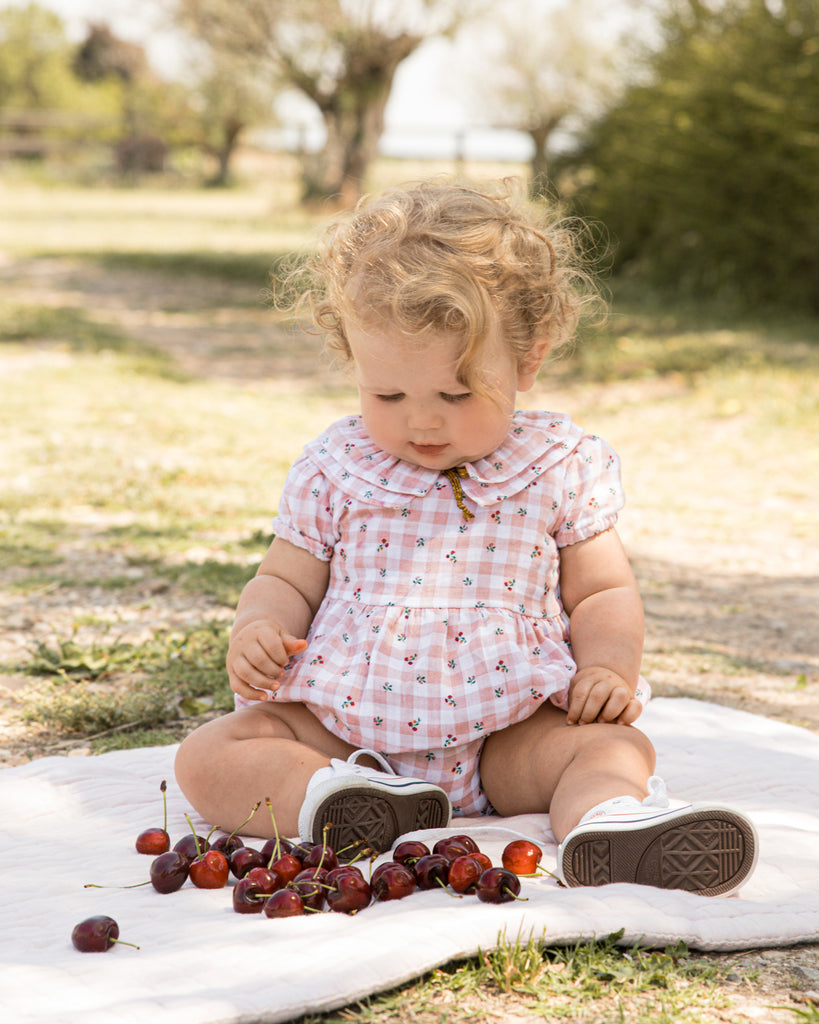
596,981
101,686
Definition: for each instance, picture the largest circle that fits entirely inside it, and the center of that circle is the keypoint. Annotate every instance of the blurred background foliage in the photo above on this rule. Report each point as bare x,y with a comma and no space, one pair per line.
693,142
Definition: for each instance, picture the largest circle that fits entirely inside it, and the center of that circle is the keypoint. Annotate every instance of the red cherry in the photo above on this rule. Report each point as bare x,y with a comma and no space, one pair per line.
522,856
410,851
464,873
227,844
310,884
287,866
97,934
452,847
321,856
275,848
498,885
467,841
210,871
245,858
432,871
483,859
392,881
349,890
153,841
284,903
156,840
250,892
169,871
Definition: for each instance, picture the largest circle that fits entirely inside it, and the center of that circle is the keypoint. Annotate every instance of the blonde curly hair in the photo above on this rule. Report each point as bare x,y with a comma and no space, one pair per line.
449,258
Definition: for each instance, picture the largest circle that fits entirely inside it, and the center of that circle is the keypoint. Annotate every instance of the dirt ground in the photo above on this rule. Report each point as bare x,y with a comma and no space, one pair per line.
746,638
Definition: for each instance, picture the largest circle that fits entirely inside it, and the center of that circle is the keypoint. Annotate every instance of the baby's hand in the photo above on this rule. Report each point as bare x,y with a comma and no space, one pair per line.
599,695
257,656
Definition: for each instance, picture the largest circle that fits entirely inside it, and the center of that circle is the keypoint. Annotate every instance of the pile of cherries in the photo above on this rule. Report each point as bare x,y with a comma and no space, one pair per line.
286,879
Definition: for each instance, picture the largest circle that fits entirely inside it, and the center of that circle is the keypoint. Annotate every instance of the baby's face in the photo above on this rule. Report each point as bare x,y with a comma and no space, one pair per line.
415,408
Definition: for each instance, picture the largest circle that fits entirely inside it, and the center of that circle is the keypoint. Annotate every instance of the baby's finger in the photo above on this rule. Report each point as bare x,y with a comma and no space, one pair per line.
248,681
293,644
631,713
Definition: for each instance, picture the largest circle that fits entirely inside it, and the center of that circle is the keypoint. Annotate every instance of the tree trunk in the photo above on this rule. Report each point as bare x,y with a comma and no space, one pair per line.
353,115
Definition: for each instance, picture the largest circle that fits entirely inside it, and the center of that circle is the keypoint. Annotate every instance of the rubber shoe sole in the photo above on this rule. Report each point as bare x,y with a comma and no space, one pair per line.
361,815
705,850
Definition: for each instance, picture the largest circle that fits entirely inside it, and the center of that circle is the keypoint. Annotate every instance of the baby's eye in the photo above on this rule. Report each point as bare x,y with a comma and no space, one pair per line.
462,397
390,398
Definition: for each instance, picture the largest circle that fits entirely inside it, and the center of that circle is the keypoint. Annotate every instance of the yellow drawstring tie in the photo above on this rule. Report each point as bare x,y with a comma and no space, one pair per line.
455,476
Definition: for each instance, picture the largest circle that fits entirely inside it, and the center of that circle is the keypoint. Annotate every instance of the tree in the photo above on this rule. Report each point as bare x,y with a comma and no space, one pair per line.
341,55
707,171
551,70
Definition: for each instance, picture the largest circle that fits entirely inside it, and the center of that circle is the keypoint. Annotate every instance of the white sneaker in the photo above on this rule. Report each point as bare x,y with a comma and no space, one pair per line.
702,848
365,806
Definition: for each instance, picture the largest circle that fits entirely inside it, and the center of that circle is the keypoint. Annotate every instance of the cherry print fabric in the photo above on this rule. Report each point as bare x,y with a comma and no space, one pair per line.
438,630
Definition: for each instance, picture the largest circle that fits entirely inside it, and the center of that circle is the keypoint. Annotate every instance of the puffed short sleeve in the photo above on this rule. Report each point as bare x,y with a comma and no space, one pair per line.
592,492
305,513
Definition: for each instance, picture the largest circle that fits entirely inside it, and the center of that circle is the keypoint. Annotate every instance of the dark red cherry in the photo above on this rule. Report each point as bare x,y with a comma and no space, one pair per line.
392,881
349,890
409,852
227,844
245,858
284,903
498,885
191,846
310,884
250,892
432,871
169,871
452,847
96,934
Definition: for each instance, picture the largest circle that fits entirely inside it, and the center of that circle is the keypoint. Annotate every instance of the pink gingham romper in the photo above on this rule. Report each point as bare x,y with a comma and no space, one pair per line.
438,629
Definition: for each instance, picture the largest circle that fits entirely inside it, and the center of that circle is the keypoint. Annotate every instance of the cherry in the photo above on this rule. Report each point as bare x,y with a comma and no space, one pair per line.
311,885
227,844
452,847
498,885
431,871
245,858
250,892
300,850
287,866
156,840
169,871
210,871
96,934
349,891
409,852
522,857
321,856
191,845
464,873
392,881
467,841
483,859
284,903
273,849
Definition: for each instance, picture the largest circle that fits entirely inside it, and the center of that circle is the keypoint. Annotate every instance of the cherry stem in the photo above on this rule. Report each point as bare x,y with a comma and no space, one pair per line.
122,942
274,856
521,899
163,786
135,885
195,836
240,827
448,891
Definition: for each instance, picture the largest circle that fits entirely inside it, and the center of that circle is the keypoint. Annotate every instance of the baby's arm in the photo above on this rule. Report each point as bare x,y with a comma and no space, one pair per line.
600,596
273,616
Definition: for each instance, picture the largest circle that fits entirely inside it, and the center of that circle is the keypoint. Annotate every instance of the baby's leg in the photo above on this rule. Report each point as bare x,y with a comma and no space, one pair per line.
265,750
543,764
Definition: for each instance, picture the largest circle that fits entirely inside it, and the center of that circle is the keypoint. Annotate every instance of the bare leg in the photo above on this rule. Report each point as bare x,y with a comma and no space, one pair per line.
543,764
227,765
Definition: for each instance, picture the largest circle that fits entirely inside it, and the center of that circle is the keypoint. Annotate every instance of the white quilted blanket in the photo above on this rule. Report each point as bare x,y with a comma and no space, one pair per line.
69,821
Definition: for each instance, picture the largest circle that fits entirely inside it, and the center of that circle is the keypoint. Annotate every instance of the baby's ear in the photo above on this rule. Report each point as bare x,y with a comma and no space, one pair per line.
530,364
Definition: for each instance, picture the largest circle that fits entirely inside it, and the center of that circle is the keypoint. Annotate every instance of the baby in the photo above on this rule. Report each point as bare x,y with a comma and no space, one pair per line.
446,621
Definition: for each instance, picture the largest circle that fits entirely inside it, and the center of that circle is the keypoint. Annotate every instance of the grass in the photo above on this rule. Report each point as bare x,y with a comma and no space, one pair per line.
137,499
597,981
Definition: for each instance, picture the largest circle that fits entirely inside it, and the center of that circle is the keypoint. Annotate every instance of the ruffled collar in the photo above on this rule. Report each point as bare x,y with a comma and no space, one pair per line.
536,442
